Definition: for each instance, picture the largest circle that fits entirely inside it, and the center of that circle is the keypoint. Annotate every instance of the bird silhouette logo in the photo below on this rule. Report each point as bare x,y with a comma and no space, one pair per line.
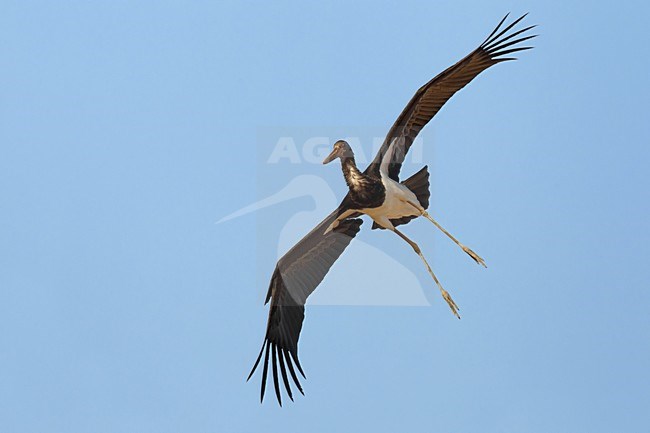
343,285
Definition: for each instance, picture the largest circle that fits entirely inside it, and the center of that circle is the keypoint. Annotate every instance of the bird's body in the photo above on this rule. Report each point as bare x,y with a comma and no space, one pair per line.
380,197
396,204
376,192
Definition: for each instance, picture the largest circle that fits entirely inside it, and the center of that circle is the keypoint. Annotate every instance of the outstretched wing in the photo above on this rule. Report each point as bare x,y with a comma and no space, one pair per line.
296,276
428,100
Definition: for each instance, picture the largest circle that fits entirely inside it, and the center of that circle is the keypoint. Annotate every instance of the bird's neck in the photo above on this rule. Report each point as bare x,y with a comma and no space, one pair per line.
353,177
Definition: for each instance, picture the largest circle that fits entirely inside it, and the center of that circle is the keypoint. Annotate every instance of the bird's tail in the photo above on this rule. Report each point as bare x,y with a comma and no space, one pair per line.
419,184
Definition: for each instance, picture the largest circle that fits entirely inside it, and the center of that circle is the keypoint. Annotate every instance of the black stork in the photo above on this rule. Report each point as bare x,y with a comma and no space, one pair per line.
378,193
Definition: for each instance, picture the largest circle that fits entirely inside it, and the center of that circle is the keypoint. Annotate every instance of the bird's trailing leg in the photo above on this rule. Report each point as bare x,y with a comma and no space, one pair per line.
467,250
445,294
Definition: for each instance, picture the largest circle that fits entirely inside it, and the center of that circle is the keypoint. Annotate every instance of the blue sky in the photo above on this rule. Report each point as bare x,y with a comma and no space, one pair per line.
128,128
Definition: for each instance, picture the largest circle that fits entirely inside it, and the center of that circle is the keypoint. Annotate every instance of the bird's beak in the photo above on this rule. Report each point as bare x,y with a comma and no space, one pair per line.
331,157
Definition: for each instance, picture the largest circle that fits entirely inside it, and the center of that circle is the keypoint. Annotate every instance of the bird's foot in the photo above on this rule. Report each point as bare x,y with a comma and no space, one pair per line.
474,256
450,302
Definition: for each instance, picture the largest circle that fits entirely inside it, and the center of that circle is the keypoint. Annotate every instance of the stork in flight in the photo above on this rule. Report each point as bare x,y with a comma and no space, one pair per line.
378,193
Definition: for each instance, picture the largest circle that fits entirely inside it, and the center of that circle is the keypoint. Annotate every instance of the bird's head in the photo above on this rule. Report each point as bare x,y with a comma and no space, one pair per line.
341,150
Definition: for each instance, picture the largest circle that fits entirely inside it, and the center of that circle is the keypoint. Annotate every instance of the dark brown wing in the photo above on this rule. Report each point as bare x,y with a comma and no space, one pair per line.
296,276
428,100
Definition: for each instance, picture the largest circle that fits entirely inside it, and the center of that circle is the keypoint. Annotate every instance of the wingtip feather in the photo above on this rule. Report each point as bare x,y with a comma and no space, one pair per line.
283,370
496,29
276,383
294,376
257,361
492,39
265,371
294,355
